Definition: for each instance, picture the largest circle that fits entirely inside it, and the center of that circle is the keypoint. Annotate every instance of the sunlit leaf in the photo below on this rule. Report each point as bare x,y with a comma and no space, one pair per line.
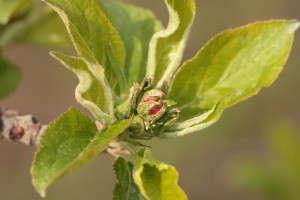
155,179
238,62
167,46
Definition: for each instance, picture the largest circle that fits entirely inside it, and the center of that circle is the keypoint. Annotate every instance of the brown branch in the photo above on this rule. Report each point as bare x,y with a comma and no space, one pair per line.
20,128
27,130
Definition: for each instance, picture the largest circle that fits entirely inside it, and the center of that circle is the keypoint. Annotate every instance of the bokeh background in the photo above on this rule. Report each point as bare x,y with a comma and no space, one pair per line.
252,152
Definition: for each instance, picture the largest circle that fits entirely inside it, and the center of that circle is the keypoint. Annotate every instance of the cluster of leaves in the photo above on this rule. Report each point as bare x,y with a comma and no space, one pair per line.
26,22
277,175
120,44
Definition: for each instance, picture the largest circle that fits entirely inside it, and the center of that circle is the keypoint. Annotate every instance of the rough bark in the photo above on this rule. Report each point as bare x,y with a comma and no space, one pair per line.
20,128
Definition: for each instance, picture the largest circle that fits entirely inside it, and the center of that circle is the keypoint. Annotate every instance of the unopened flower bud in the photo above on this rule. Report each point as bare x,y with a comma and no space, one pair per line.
152,106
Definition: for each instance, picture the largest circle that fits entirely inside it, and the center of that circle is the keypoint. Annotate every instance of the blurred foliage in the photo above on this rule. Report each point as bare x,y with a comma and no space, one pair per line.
26,21
9,77
12,9
277,176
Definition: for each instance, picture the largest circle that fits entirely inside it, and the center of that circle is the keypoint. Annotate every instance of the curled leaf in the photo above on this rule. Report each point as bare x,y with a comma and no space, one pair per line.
197,123
155,179
92,91
167,46
91,30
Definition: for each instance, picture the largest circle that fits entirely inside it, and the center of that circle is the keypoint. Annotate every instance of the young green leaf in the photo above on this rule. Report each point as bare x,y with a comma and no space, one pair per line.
10,7
125,189
167,46
92,91
238,62
155,179
136,27
90,31
198,123
10,77
117,69
67,144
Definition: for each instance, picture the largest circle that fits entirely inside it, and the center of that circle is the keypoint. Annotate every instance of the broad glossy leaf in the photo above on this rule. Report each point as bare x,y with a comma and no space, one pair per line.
166,47
125,189
67,144
10,7
197,123
91,31
92,91
10,77
46,30
155,179
238,62
136,27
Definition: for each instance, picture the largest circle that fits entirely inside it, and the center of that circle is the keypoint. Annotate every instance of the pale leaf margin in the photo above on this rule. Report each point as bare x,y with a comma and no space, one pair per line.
167,57
102,110
92,47
169,183
198,123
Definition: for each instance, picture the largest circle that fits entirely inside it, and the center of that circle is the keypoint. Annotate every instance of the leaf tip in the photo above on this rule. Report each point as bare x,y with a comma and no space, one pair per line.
42,193
293,26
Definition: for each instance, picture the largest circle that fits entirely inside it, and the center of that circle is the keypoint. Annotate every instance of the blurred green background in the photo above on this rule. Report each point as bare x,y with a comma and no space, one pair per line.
252,152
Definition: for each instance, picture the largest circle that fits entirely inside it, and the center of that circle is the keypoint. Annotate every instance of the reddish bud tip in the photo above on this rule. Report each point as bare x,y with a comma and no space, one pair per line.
151,98
155,109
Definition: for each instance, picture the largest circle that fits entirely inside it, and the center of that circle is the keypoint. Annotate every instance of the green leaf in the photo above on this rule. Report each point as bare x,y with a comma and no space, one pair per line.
198,123
92,91
136,27
90,31
10,7
47,30
10,77
125,189
117,68
67,144
167,46
155,179
238,62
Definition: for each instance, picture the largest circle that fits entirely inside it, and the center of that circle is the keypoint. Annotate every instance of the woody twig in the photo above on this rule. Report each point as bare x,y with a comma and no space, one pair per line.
25,129
20,128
